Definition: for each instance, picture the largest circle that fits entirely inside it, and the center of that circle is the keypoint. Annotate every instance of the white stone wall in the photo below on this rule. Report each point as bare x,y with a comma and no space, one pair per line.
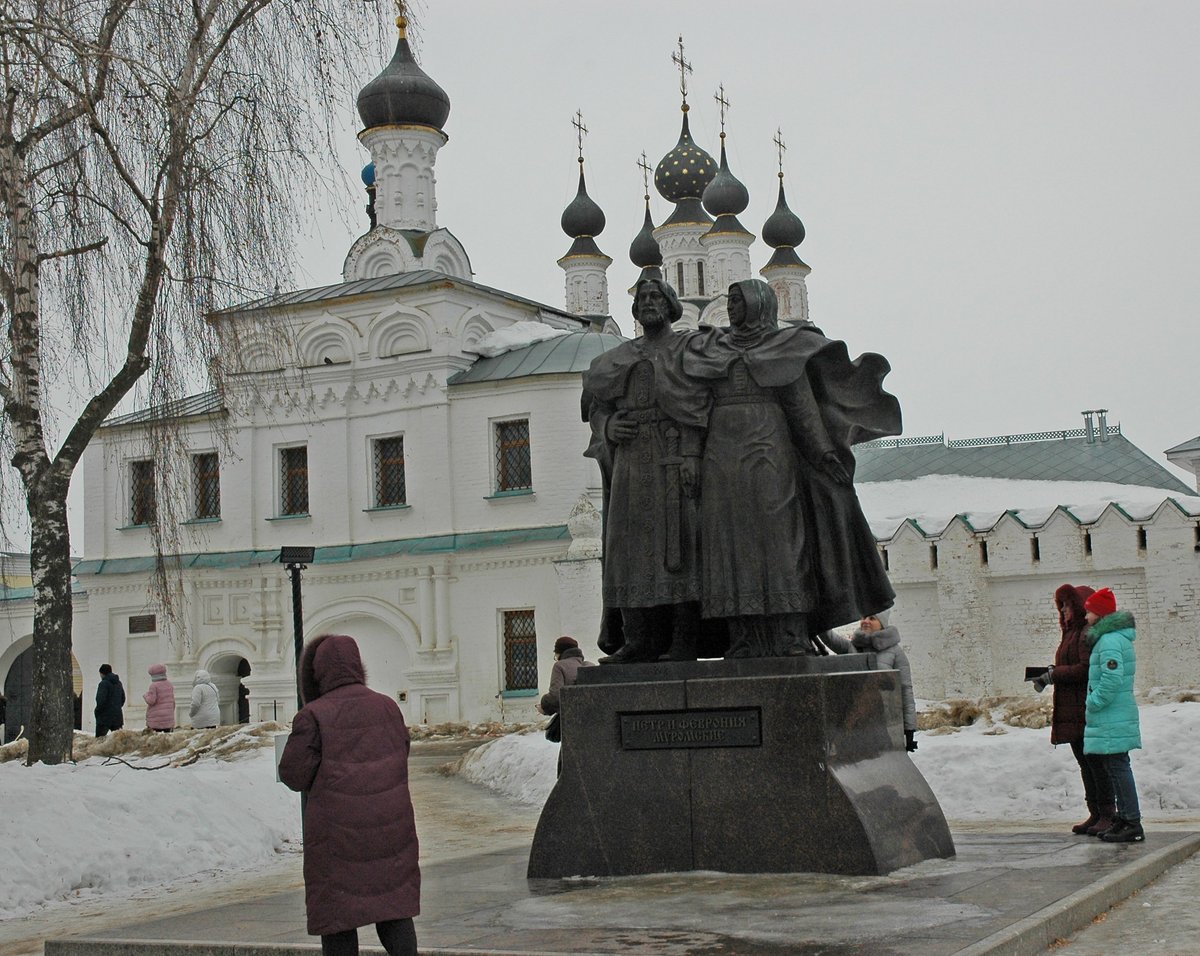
971,629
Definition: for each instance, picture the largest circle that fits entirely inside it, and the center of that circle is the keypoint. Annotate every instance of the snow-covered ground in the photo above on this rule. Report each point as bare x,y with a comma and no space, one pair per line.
97,828
980,773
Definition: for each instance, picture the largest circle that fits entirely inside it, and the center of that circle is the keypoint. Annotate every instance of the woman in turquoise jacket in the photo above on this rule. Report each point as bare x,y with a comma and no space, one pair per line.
1111,725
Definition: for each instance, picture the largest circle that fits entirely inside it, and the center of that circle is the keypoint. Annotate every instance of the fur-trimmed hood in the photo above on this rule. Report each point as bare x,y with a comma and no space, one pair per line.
876,641
329,661
1117,621
1072,597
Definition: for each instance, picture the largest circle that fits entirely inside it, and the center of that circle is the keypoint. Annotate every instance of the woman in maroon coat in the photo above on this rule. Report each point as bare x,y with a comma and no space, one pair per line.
349,752
1069,675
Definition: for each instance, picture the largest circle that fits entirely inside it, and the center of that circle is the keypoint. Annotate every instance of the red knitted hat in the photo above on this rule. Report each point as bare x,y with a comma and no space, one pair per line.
1102,603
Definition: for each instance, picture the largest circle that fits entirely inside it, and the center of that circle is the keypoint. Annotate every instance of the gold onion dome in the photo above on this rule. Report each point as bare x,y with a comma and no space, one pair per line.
685,171
403,94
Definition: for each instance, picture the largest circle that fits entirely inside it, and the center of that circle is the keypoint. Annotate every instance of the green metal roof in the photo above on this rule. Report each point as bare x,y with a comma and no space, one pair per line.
563,353
335,554
26,594
1044,456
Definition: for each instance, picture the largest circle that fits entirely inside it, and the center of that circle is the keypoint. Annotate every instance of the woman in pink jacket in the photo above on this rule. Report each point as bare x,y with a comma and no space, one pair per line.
160,700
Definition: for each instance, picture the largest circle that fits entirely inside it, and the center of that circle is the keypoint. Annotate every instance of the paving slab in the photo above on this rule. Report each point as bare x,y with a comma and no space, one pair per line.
1004,894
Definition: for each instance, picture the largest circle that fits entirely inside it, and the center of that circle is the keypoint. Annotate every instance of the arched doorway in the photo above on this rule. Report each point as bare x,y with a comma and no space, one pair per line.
227,672
18,692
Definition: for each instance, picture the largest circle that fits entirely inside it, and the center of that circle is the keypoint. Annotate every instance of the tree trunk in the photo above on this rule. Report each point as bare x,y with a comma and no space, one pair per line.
52,719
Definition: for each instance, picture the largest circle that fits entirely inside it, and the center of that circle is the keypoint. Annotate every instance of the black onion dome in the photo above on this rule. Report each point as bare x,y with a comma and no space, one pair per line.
644,251
582,217
783,227
403,94
725,195
685,171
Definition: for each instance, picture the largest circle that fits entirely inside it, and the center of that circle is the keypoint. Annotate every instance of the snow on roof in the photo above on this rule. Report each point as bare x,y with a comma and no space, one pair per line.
933,501
516,336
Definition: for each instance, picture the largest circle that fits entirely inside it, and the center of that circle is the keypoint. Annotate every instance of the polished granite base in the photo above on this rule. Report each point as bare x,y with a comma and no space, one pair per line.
794,765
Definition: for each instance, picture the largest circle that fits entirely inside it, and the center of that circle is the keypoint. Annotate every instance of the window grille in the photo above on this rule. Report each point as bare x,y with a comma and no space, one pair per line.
141,497
143,624
293,480
206,485
514,471
389,472
520,651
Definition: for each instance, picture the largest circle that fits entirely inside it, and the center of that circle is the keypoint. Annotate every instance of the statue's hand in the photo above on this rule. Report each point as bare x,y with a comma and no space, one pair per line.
835,469
620,429
689,476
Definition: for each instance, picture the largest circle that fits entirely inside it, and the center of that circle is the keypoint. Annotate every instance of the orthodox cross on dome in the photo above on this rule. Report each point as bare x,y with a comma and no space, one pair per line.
580,132
781,146
645,167
684,69
724,104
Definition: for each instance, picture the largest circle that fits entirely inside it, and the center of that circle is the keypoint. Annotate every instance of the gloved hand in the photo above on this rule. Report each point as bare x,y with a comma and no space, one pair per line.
909,743
1040,683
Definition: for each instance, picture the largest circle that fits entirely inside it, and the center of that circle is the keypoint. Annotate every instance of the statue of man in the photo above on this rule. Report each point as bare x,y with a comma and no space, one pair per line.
647,434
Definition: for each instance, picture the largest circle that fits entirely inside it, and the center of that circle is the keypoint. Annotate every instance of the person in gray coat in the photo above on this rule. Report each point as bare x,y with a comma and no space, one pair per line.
206,701
874,635
568,658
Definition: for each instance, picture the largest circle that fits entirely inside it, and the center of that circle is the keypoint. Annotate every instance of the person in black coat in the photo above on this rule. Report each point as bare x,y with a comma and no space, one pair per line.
110,698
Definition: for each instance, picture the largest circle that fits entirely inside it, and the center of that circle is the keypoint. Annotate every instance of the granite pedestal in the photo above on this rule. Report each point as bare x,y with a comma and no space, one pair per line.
776,765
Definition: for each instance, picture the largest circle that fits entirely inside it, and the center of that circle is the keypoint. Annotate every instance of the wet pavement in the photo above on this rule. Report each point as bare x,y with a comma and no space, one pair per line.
1003,893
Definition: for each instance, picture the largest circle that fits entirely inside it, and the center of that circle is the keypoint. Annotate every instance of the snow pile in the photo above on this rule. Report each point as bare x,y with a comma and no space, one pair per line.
516,336
523,766
97,827
987,771
984,500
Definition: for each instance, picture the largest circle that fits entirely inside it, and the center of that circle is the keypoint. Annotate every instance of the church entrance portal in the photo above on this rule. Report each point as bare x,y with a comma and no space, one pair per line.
18,692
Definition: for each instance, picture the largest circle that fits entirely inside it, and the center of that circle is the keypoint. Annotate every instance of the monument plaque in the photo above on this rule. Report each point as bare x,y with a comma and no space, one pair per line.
659,730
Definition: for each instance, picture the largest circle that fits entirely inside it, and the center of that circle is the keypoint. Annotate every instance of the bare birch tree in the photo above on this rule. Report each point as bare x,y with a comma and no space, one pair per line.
152,157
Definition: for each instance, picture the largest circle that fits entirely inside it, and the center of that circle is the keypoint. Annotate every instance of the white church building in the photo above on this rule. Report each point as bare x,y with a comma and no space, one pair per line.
422,433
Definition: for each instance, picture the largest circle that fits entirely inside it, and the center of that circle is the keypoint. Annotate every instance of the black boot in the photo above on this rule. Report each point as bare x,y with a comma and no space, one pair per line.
1125,831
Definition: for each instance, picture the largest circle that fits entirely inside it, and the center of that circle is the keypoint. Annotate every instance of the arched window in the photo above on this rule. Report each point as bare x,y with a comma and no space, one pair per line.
699,277
679,277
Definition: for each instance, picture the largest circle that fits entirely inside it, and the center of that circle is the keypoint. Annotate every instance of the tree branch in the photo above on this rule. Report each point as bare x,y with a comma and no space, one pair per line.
76,251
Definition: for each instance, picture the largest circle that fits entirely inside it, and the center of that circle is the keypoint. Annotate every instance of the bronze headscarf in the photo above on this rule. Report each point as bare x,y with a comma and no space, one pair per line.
762,313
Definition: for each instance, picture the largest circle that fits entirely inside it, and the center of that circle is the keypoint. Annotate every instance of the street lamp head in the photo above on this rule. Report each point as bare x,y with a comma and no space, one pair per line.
296,555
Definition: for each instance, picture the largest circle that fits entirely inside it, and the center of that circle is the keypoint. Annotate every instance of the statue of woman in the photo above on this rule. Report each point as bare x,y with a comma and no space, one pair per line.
787,551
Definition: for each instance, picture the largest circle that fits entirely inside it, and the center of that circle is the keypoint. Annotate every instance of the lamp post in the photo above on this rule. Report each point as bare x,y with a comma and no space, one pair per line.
296,560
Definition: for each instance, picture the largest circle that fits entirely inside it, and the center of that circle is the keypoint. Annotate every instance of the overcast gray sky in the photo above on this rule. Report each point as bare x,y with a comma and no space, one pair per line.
1000,197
